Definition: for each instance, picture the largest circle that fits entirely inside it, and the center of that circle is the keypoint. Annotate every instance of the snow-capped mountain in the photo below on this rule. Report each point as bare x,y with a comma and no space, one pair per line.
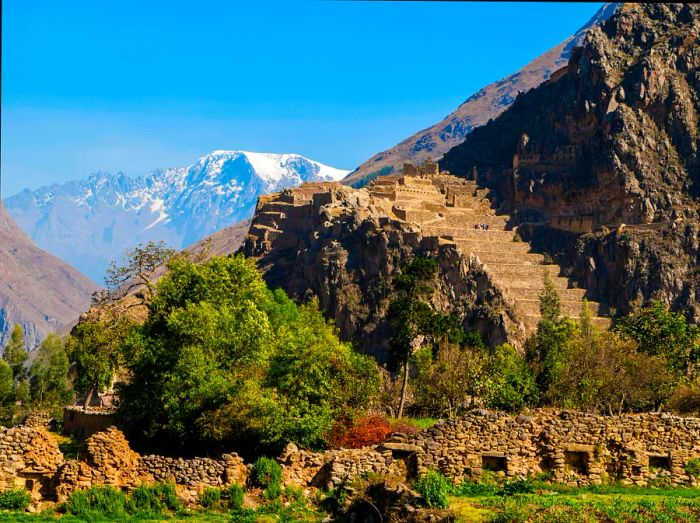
90,222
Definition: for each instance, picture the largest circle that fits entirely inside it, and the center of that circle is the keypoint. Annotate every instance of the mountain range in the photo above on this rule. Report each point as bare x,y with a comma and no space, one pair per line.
90,222
37,290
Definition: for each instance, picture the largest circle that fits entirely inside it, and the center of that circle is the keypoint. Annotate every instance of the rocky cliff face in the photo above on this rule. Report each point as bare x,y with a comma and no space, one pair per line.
611,139
478,109
339,244
37,290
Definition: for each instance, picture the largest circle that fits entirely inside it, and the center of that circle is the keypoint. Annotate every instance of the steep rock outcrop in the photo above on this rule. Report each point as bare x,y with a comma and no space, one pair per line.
611,139
336,243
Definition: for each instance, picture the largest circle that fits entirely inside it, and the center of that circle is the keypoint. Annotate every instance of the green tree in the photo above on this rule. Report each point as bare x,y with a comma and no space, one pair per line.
661,332
49,373
545,351
7,392
222,359
550,303
411,315
95,349
509,383
15,353
602,372
448,383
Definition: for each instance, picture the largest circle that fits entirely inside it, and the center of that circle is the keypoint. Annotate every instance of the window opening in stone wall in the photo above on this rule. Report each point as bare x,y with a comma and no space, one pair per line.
659,462
577,461
494,463
547,464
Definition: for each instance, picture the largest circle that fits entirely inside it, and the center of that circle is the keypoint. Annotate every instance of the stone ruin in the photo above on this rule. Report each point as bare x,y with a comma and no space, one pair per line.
30,458
571,447
435,206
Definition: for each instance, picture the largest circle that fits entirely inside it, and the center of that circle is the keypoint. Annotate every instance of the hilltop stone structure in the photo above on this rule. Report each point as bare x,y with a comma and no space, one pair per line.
344,245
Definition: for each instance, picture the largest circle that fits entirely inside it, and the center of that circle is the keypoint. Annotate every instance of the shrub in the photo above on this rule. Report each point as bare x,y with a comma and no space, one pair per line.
473,488
434,488
14,499
692,467
521,486
361,432
153,499
209,497
102,501
267,473
234,495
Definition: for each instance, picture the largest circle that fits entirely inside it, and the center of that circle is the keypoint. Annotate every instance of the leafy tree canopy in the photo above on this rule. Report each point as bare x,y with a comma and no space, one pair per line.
15,353
659,331
221,358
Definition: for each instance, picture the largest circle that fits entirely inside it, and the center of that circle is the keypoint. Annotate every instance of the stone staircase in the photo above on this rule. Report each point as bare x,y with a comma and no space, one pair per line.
453,208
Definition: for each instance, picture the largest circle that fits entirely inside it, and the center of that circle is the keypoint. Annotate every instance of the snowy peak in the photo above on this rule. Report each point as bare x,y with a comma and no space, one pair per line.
90,222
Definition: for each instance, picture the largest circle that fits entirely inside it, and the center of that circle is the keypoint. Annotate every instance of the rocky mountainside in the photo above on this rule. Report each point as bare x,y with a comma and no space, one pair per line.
345,245
37,290
600,164
478,109
90,222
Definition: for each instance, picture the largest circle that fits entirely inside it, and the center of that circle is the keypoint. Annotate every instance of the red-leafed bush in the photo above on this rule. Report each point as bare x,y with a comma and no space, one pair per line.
361,432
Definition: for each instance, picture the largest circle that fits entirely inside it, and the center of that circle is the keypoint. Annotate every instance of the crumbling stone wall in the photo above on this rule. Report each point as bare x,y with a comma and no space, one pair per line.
83,423
107,459
196,472
575,448
29,458
333,467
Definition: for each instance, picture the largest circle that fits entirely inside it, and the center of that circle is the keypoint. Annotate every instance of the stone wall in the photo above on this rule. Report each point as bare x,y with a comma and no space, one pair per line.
83,423
29,458
196,472
574,448
107,459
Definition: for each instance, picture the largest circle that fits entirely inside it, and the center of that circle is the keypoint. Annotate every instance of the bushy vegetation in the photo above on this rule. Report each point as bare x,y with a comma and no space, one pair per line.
433,487
579,366
222,359
153,499
266,473
44,385
14,499
95,502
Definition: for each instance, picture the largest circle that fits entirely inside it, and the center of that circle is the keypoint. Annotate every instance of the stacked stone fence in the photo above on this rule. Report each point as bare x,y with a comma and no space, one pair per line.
84,423
571,447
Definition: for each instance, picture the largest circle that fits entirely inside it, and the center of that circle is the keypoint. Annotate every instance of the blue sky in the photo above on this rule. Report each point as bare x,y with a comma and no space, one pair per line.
131,85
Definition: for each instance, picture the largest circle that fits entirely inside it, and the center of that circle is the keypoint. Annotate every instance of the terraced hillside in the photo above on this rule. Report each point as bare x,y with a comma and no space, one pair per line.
457,210
344,246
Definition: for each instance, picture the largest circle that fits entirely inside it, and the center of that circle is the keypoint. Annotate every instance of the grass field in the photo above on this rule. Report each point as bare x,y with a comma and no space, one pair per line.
591,504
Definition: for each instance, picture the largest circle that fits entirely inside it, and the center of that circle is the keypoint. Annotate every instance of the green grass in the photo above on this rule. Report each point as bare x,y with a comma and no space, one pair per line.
552,503
193,517
419,423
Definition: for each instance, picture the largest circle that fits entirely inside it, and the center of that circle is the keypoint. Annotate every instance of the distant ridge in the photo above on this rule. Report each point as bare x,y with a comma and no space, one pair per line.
37,290
478,109
90,222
